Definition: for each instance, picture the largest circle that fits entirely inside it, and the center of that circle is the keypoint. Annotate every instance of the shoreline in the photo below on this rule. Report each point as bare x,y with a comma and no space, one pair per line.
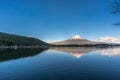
86,45
16,47
89,45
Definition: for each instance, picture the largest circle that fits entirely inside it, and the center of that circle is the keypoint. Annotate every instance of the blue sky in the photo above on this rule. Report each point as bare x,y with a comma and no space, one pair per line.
54,20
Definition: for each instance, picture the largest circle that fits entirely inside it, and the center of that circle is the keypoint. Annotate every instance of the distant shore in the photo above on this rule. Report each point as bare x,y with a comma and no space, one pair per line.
89,45
85,45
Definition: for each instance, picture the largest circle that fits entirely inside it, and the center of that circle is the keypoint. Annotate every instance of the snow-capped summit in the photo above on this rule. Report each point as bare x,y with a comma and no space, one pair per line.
75,40
76,37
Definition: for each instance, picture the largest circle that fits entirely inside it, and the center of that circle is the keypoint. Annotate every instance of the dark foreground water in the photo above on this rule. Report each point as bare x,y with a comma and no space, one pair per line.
60,64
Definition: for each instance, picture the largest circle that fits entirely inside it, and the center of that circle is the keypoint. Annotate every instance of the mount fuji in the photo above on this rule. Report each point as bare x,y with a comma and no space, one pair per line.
76,40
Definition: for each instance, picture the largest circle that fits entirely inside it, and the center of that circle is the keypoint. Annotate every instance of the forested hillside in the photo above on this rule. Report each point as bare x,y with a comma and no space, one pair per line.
10,39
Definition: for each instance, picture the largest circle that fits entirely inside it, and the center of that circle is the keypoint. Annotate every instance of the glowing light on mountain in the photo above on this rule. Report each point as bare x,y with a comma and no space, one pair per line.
76,37
30,36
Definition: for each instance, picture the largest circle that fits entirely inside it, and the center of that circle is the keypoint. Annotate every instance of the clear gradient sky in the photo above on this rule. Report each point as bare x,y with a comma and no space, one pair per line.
54,20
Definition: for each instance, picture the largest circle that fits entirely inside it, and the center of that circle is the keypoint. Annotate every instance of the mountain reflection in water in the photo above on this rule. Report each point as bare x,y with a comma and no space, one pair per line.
78,52
57,63
11,54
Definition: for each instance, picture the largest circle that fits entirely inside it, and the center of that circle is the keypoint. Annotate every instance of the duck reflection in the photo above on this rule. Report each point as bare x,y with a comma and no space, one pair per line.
11,54
78,52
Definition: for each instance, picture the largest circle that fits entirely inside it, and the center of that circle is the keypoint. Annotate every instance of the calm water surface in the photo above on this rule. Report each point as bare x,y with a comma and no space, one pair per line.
60,64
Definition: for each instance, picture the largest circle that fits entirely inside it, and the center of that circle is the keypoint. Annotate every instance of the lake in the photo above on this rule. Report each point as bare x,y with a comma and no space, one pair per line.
60,64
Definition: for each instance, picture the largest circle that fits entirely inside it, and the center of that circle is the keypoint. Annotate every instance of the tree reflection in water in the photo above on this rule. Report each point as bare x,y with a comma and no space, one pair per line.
11,54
